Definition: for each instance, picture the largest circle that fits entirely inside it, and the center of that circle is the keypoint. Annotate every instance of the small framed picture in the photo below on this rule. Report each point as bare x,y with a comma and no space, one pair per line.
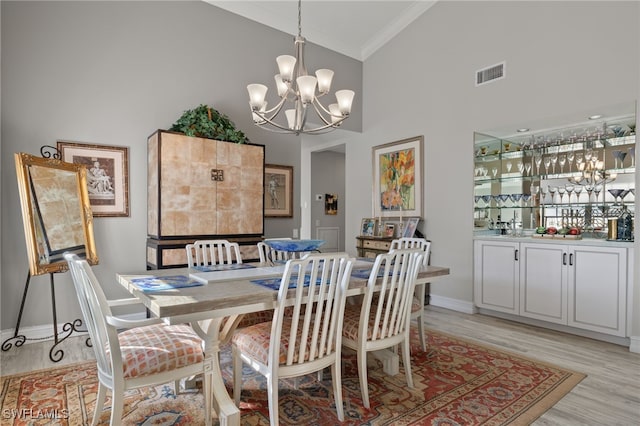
410,227
368,227
389,229
107,175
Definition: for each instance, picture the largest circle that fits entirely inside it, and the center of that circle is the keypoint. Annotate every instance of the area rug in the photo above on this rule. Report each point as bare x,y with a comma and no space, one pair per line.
457,382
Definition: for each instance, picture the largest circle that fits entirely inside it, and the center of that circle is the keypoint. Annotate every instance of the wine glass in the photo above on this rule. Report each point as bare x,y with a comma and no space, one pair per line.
534,189
579,160
570,156
632,154
561,191
494,171
547,163
588,154
543,194
538,159
520,167
477,199
509,165
569,187
562,159
578,190
552,192
597,189
615,193
526,198
486,199
503,199
554,160
589,189
622,156
515,199
527,168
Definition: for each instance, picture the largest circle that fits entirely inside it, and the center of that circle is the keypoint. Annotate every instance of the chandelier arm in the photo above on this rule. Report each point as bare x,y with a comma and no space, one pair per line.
271,122
276,108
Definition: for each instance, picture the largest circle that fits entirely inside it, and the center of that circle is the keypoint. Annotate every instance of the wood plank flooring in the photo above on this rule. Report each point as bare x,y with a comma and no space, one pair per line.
609,395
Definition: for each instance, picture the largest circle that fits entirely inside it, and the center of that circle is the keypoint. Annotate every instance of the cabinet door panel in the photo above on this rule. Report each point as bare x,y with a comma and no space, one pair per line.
496,276
597,289
543,292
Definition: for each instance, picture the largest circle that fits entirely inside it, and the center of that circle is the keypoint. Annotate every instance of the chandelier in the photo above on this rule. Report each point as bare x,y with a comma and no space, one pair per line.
298,89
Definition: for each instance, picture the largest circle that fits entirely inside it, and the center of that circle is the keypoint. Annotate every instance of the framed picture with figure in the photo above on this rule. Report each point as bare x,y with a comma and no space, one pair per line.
107,175
278,191
368,227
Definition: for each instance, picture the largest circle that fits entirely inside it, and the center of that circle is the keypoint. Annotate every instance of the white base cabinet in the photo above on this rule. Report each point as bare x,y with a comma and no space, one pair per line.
581,286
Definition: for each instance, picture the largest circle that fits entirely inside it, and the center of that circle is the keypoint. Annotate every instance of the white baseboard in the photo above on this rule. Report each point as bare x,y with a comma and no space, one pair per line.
453,304
44,332
634,345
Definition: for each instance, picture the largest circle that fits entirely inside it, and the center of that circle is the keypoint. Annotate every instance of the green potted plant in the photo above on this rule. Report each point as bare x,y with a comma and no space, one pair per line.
206,122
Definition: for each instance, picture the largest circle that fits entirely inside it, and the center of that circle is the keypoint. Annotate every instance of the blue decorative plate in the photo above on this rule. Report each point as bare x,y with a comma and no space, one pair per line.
294,245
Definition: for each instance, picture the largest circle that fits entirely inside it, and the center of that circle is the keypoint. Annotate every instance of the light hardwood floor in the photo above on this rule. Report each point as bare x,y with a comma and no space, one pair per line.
609,395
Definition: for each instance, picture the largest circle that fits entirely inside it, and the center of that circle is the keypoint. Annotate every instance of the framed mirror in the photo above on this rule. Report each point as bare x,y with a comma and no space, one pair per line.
56,213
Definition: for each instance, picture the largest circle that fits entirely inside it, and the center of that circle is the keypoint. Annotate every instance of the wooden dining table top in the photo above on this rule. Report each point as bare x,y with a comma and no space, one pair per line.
232,295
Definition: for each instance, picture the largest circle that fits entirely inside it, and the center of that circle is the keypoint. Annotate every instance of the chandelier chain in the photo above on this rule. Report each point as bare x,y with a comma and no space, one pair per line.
299,18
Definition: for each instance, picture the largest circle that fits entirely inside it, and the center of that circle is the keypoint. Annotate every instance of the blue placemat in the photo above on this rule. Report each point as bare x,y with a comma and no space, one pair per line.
172,282
223,267
274,283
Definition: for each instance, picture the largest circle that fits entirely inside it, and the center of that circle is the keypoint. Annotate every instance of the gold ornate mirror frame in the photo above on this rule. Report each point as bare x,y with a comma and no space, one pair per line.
56,213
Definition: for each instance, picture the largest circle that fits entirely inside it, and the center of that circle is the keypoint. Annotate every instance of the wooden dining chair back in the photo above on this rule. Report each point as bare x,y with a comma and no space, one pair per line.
382,320
304,335
212,252
417,306
148,352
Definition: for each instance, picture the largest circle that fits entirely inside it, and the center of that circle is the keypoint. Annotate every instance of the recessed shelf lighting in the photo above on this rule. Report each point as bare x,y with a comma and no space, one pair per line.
595,116
522,130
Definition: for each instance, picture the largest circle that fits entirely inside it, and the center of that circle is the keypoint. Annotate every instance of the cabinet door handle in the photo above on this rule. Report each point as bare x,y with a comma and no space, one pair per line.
516,255
571,259
564,258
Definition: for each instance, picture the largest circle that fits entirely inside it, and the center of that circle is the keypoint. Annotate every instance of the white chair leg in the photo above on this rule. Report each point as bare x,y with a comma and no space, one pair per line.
100,399
406,361
272,393
421,331
237,375
117,402
336,378
362,373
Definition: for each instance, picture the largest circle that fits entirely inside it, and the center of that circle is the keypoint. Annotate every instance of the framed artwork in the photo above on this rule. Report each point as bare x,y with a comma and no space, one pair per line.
368,227
278,191
397,178
331,204
389,229
410,227
107,175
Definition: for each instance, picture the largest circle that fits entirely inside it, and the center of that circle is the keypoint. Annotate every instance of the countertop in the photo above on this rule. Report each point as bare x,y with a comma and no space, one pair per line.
556,240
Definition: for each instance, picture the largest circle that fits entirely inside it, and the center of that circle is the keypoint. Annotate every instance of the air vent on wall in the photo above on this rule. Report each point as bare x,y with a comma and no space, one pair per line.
489,74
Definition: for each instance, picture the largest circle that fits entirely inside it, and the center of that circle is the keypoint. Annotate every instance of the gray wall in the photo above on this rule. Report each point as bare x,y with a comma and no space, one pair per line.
112,73
328,177
562,57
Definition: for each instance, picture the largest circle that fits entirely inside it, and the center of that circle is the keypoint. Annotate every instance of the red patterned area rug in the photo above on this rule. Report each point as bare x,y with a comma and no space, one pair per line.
457,382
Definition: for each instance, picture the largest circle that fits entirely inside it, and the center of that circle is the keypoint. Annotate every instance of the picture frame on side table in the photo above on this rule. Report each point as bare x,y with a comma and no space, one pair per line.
397,178
410,227
368,227
278,191
389,229
107,175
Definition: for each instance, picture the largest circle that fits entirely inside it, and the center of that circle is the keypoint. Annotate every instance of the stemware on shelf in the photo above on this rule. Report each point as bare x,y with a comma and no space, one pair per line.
526,198
579,160
615,193
534,189
597,190
561,191
538,160
527,168
632,154
509,165
554,160
589,189
543,194
552,191
477,199
494,171
547,163
503,199
578,190
520,167
570,156
515,199
486,199
570,188
562,160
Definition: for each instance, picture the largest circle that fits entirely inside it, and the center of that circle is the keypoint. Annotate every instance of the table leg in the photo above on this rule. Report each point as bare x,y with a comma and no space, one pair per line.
209,330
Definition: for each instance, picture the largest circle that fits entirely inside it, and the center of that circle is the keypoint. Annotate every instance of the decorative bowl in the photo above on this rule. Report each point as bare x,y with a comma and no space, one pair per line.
294,245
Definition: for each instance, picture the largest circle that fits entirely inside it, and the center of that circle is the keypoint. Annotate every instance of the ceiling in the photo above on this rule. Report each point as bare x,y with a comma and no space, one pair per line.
354,28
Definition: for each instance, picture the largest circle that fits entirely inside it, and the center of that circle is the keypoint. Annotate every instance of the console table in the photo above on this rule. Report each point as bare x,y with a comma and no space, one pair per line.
372,246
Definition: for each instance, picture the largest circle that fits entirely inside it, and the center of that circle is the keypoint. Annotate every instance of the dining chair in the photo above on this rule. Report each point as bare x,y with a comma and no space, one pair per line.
417,306
212,252
148,352
382,321
307,340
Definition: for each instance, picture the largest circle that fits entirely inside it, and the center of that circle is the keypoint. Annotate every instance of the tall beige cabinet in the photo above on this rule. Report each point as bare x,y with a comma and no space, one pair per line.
202,189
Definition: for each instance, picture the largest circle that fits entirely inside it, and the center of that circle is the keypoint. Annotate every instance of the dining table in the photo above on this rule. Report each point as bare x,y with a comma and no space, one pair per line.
213,299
